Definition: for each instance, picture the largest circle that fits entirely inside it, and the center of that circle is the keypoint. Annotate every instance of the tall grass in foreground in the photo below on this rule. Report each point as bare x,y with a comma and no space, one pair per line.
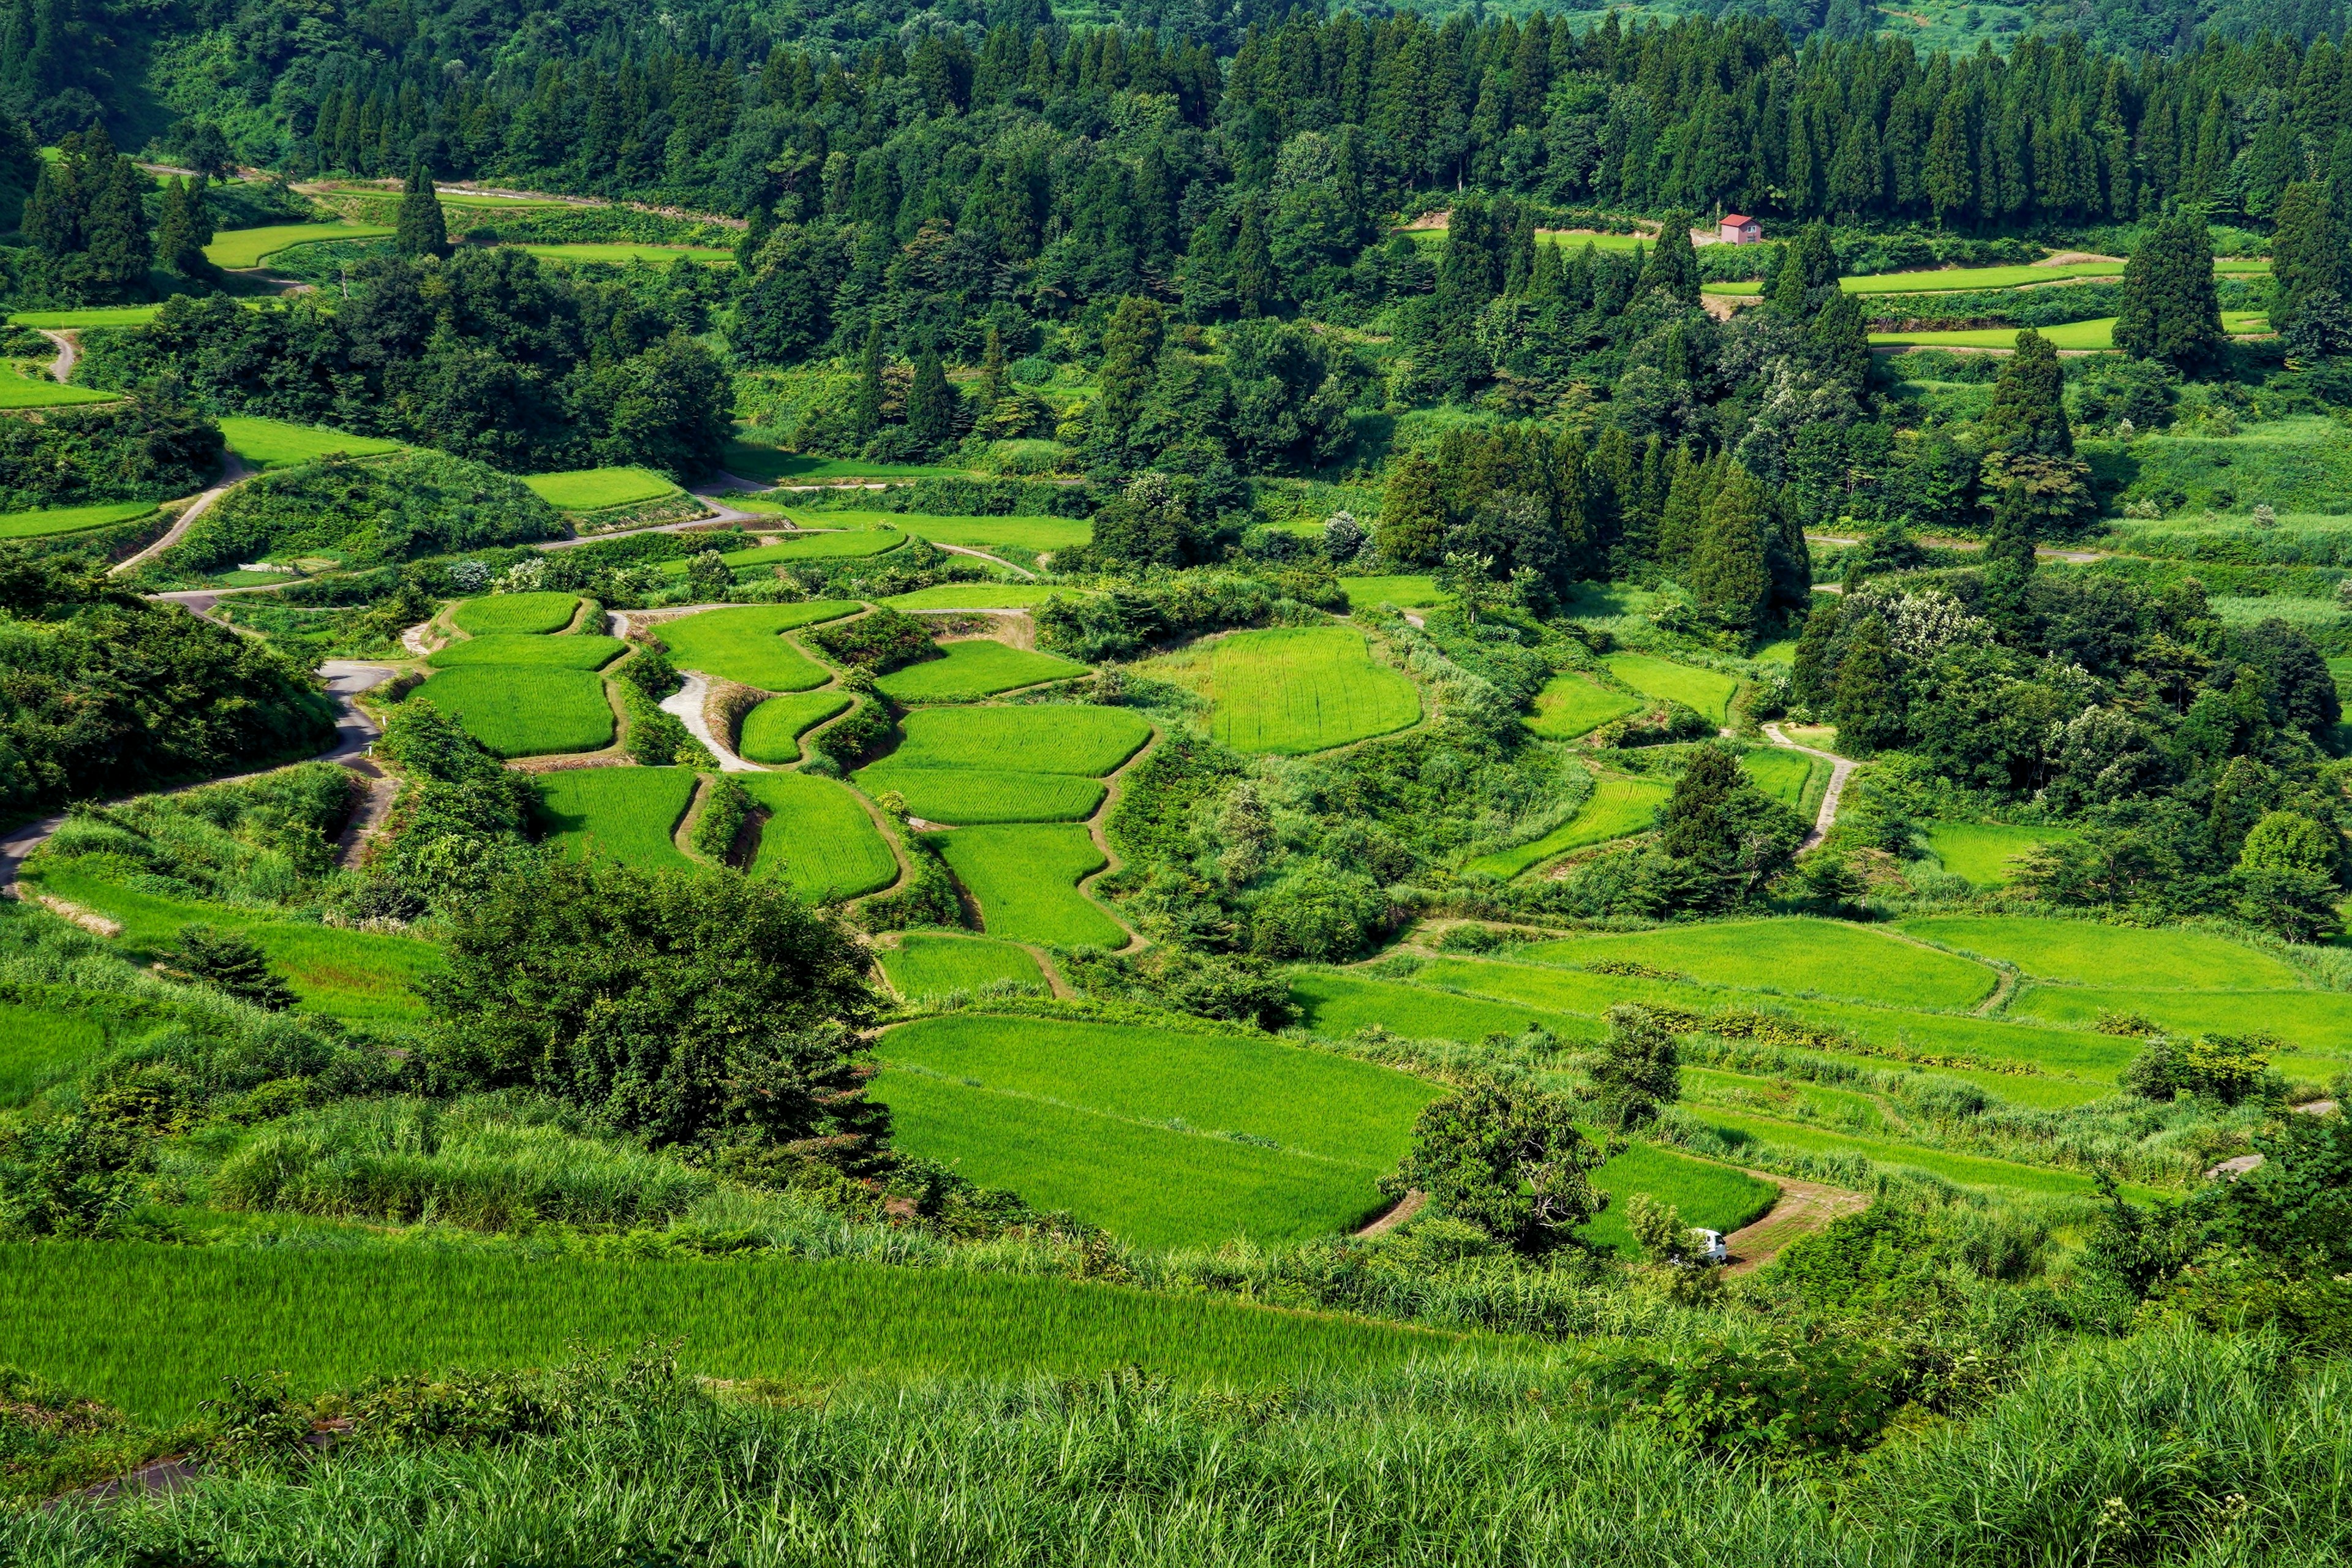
2172,1448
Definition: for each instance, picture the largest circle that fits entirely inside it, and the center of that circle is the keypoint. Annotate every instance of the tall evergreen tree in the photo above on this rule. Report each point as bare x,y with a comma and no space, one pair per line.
866,405
2310,253
1678,516
185,229
420,229
995,380
2029,406
1839,339
1413,514
932,402
1130,359
1673,267
2171,308
53,213
1727,574
1254,284
116,247
1809,270
1866,704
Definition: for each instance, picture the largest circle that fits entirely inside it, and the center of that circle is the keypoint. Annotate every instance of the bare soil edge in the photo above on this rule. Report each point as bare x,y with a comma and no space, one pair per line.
1406,1207
1114,784
1803,1207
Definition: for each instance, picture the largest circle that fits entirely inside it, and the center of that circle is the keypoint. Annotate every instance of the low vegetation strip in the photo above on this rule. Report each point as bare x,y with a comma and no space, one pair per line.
1025,879
1791,955
519,712
1295,689
518,613
1620,805
961,796
157,1328
72,518
1573,705
1976,1171
818,838
628,814
1055,738
975,668
746,644
976,596
2086,954
1707,691
528,651
933,963
593,490
771,732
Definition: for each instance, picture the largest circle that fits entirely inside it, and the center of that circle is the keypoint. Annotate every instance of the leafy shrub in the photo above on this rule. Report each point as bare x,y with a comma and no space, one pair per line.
725,809
232,963
880,641
2227,1067
395,509
148,447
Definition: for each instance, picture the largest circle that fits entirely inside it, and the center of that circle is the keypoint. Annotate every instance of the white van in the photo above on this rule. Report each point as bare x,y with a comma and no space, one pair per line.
1711,1249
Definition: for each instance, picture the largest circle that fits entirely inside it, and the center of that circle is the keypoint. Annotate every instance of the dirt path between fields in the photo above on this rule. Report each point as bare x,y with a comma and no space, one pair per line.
69,350
1841,770
1114,786
233,474
1406,1207
687,704
1803,1207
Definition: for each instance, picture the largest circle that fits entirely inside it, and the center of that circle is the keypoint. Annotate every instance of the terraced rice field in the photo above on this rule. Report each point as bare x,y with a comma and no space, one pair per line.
932,963
818,839
36,1046
40,391
593,490
1792,955
157,1328
1110,1120
1023,763
1620,805
1337,1003
280,444
1709,1197
1707,692
975,668
1976,1172
2083,954
1025,879
623,255
1958,280
629,814
519,712
85,318
1573,705
60,519
753,459
963,795
1295,690
771,732
1024,535
1787,776
804,547
2087,336
520,615
241,247
528,651
1985,853
978,596
746,642
2315,1026
1406,592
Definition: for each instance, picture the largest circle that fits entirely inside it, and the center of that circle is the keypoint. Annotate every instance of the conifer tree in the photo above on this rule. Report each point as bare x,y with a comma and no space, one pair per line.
1678,516
1812,672
1413,514
1839,337
2009,557
117,247
866,407
2171,308
932,402
52,219
2308,253
1809,269
1130,359
1727,574
2028,416
995,380
1865,704
420,229
1253,286
1673,268
185,229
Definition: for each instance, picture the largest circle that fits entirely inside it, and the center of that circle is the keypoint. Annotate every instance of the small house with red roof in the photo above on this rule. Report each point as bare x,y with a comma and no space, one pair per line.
1738,228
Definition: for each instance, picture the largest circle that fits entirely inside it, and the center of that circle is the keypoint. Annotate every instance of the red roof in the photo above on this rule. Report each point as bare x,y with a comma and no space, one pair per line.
1741,219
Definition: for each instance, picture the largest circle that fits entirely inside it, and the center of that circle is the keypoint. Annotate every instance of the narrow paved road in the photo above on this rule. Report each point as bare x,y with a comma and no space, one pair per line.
67,353
1841,770
233,473
686,704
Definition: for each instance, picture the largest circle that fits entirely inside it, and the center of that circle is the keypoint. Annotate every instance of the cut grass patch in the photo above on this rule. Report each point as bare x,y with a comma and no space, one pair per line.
1406,592
1111,1121
1791,955
1710,1197
241,248
519,712
58,520
1025,879
629,814
1295,690
932,963
771,732
152,1329
1620,805
1985,853
975,668
593,490
1707,692
978,596
529,651
818,838
2172,959
40,391
746,644
515,614
1572,705
1786,776
280,444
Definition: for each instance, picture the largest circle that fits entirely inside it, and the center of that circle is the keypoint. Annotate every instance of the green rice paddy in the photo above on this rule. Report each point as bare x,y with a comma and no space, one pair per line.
753,460
85,318
622,254
1863,962
746,642
1027,536
629,814
2091,336
155,1329
2315,1023
933,963
1620,805
818,838
1573,705
280,444
1976,1172
975,668
38,1044
1038,738
527,651
2172,959
1295,689
984,794
58,520
1337,1002
593,490
1025,879
1111,1121
1787,776
1985,853
515,614
1710,1197
40,391
1406,592
771,732
804,547
241,248
1957,279
518,710
977,596
1707,691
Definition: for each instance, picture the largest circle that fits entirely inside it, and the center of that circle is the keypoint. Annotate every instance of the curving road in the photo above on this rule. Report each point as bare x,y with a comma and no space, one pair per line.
68,352
233,473
1841,770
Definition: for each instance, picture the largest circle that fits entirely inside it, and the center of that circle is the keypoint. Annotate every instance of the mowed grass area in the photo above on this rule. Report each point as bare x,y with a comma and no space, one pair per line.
84,316
1707,691
524,651
1295,689
1710,1197
818,838
2169,959
1985,853
152,1329
932,963
593,490
1573,705
40,391
38,1044
771,732
1620,805
629,814
1406,592
515,614
58,520
343,974
977,596
1163,1136
240,247
280,444
1025,877
516,710
1787,776
973,668
747,643
1790,954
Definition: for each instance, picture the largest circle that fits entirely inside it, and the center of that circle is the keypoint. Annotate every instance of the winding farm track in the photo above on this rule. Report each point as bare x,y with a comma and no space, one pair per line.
1841,770
1802,1208
686,704
69,350
233,473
